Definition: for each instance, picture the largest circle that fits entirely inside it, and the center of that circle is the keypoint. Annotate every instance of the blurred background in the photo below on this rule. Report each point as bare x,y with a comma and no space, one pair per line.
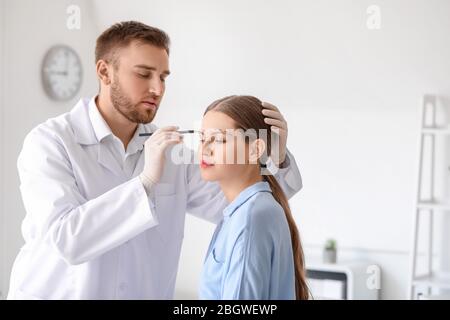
351,78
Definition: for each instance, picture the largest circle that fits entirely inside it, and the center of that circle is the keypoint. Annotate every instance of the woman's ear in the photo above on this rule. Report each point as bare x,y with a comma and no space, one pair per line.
256,150
103,72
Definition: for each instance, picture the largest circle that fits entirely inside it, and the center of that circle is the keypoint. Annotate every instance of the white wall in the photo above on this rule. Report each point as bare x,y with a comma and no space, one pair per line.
351,96
29,29
2,222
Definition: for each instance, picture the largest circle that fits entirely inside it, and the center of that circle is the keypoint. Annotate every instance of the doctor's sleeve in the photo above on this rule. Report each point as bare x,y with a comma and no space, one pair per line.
77,228
289,177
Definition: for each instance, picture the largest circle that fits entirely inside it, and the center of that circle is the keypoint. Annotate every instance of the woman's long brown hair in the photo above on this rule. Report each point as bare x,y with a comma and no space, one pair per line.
246,113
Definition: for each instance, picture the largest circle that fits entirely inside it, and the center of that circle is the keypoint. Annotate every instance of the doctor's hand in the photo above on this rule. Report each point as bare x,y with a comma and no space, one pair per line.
154,150
278,124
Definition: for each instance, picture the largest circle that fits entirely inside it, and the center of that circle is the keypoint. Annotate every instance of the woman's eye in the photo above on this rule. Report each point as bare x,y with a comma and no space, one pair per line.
219,138
146,76
212,139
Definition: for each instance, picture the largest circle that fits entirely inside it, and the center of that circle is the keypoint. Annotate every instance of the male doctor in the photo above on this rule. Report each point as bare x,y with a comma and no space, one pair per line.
104,214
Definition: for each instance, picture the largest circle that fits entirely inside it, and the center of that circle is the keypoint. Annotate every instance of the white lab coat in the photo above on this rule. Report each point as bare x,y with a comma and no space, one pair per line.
90,231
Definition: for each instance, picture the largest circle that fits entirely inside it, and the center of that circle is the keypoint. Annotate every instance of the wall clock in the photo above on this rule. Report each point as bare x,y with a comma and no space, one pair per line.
61,73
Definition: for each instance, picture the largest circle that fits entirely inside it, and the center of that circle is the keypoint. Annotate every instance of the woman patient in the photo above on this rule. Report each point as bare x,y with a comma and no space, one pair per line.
255,252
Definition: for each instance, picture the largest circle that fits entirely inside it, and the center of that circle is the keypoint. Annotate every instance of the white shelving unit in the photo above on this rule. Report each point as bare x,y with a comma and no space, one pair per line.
2,105
430,279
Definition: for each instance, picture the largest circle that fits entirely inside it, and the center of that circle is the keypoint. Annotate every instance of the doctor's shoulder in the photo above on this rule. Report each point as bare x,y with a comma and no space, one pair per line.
48,135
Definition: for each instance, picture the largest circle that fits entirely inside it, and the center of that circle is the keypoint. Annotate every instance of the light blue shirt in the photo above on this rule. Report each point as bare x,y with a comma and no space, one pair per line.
250,254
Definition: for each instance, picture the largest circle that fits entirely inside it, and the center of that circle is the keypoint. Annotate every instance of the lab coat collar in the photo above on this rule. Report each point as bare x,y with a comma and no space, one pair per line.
81,123
101,128
247,193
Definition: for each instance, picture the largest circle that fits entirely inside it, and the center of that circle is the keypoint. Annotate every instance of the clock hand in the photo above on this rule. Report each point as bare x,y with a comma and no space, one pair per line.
64,73
67,62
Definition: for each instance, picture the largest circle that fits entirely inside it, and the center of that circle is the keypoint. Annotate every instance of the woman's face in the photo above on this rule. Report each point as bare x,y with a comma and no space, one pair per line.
222,150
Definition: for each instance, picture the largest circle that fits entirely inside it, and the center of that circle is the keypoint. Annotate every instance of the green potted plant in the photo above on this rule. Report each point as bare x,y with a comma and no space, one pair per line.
330,251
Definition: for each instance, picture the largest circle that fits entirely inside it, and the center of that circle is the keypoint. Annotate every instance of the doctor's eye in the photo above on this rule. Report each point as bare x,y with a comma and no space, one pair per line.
145,76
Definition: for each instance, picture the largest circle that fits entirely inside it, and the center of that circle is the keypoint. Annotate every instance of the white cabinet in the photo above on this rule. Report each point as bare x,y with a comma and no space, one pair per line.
353,280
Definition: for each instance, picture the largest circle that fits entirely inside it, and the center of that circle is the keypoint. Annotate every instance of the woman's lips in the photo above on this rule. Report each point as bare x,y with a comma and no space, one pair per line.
205,164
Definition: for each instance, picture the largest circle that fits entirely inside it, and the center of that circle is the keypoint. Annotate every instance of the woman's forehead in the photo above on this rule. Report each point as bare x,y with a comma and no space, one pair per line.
217,121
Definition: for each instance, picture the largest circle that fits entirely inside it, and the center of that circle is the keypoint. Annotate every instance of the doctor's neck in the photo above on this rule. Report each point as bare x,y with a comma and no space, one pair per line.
120,126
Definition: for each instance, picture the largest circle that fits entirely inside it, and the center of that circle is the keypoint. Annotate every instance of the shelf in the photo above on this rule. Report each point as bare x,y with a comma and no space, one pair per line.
435,297
436,130
433,205
437,280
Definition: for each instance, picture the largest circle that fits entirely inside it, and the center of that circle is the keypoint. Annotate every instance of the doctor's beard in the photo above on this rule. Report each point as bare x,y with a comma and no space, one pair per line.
122,103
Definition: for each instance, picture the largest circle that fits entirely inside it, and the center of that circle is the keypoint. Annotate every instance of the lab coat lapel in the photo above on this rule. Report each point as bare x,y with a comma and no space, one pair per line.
85,135
107,160
81,124
139,165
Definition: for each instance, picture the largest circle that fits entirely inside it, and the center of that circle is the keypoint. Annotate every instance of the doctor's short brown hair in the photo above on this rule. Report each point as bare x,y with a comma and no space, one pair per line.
121,34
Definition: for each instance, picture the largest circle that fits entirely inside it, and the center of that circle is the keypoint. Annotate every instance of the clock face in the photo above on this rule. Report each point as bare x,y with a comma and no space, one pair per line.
61,73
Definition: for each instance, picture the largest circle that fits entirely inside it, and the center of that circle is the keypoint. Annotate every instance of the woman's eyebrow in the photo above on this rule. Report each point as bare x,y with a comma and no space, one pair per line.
212,130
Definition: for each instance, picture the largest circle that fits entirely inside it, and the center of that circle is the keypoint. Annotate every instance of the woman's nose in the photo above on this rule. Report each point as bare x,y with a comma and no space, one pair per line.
206,148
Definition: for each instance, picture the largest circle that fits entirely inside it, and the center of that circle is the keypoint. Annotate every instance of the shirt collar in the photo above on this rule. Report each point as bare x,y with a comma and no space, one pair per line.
247,193
137,143
102,130
85,131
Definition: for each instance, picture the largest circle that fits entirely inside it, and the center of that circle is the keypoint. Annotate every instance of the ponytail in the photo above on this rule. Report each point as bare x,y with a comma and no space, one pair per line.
301,288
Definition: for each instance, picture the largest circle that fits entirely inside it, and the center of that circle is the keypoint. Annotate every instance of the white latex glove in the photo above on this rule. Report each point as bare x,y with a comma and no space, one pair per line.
154,149
279,126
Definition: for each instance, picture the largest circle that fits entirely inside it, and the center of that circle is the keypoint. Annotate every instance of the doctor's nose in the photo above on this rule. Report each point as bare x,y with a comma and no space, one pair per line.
156,88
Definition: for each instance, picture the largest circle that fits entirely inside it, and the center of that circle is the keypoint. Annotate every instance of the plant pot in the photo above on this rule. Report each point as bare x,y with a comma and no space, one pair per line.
329,256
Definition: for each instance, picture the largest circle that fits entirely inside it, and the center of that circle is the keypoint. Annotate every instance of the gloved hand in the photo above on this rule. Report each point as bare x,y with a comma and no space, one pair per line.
154,149
279,126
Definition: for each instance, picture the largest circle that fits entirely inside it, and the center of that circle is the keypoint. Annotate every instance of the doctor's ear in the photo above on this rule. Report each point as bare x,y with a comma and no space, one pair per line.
103,72
256,150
